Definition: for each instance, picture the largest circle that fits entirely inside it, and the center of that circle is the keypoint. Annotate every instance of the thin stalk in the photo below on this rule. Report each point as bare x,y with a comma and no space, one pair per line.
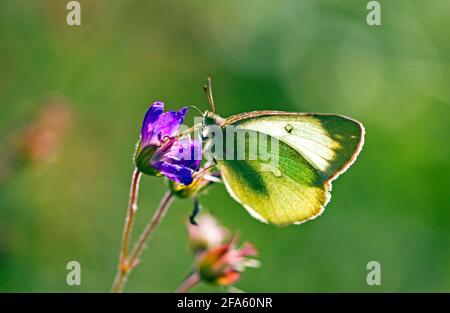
133,259
149,229
124,265
189,282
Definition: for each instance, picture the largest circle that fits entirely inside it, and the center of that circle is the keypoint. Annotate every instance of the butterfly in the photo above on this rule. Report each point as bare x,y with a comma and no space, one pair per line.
312,150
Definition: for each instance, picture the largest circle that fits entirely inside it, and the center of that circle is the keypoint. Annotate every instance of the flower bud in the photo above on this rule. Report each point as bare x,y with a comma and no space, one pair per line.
208,233
203,180
224,264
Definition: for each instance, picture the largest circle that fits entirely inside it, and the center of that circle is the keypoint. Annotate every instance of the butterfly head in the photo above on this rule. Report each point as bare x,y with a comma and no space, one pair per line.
211,118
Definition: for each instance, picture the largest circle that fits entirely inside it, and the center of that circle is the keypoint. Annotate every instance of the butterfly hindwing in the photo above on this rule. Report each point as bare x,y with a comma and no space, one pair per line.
291,192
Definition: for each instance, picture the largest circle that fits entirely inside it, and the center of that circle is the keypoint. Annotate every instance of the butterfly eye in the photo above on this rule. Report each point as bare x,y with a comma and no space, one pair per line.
208,120
289,128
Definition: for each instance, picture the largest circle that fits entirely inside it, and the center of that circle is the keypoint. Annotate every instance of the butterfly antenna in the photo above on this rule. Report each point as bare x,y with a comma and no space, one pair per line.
194,107
208,91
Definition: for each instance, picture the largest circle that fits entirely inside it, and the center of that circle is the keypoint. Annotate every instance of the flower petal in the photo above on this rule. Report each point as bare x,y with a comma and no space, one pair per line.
187,151
248,250
229,278
152,115
176,172
208,233
169,123
178,157
158,124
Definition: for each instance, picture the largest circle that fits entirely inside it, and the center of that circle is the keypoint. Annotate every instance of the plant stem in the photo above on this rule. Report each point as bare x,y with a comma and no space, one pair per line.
148,230
189,282
133,260
123,266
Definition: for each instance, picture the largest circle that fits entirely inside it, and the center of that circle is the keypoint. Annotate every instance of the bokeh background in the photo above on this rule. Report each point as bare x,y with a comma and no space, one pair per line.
72,99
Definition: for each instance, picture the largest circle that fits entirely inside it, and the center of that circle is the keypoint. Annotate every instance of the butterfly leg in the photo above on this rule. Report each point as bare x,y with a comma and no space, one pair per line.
195,212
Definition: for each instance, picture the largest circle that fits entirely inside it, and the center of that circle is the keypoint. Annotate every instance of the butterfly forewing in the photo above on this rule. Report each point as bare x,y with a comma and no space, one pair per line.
330,143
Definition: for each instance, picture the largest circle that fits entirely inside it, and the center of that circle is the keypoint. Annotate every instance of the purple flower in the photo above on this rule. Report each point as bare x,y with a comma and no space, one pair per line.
158,124
178,159
161,152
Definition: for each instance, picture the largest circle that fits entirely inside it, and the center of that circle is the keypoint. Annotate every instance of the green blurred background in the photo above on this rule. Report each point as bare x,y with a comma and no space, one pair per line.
392,206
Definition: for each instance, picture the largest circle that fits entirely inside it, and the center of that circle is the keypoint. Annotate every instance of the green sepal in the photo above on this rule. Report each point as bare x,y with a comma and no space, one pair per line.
143,158
199,184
